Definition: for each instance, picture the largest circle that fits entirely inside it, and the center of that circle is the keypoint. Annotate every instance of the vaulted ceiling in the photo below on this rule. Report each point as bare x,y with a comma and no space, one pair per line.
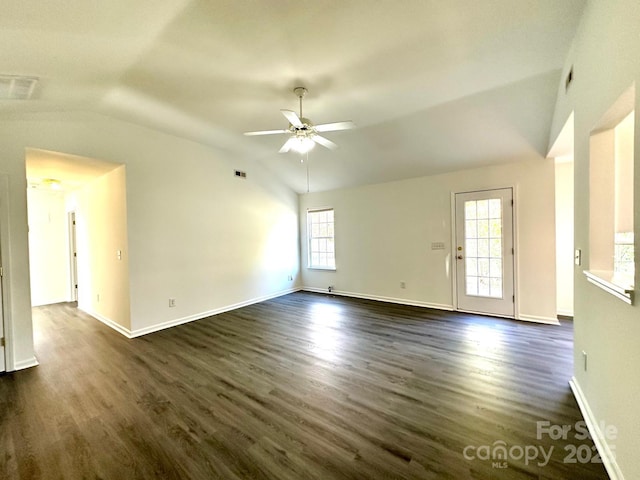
432,85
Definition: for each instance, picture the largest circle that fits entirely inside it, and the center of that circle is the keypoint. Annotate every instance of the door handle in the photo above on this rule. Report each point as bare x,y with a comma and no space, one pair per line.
459,257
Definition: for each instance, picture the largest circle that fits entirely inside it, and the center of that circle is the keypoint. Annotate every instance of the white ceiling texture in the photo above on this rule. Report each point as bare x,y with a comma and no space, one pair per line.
433,85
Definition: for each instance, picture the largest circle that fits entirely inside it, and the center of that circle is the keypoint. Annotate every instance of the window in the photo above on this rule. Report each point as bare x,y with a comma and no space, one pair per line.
483,242
321,239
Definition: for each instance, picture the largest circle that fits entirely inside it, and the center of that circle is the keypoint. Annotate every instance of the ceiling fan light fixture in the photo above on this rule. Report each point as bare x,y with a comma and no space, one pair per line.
303,134
303,144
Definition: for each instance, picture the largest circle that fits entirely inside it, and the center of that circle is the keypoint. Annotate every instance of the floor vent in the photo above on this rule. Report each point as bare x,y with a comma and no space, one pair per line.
13,87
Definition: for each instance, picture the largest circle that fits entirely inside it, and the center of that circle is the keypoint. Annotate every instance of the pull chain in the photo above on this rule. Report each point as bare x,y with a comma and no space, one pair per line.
307,172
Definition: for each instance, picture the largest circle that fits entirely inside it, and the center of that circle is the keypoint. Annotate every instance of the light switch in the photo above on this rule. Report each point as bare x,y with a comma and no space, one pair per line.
119,254
578,256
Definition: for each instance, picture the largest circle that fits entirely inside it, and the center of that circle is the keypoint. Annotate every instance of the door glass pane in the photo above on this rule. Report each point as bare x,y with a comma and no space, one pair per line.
483,242
472,285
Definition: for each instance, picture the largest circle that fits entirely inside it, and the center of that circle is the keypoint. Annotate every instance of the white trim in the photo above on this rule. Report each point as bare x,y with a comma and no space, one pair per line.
379,298
198,316
5,287
191,318
28,363
52,302
453,253
607,455
565,313
607,282
108,322
538,319
516,249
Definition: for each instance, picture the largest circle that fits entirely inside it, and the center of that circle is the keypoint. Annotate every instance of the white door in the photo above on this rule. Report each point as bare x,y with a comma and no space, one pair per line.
484,253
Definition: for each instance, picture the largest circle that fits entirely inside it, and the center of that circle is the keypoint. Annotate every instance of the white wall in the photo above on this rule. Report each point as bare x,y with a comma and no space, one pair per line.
48,247
384,234
196,233
564,237
605,61
101,232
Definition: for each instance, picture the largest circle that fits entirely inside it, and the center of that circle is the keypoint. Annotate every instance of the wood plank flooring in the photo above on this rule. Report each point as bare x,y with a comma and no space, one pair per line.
305,386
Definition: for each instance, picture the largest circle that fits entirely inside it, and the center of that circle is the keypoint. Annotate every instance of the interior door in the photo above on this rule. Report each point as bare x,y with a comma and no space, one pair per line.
484,252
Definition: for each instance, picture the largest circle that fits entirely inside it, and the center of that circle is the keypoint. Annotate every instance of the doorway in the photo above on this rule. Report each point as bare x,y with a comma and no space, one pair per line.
484,253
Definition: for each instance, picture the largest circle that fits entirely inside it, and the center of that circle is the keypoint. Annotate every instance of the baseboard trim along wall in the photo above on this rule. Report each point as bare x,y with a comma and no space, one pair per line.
191,318
28,363
607,455
537,319
401,301
51,302
108,322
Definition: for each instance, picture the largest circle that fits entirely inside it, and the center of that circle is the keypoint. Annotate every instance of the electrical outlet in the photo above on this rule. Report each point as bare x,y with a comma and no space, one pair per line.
98,297
584,360
331,287
172,302
403,285
290,278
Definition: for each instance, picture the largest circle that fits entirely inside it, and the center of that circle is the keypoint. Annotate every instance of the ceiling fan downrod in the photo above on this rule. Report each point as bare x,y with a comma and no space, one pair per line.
300,92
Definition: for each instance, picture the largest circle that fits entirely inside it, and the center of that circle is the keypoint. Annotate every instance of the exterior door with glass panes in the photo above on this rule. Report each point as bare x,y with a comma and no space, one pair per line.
484,252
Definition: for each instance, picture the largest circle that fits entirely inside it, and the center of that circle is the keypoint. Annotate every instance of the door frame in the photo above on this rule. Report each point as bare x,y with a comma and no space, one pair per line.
5,300
72,223
516,245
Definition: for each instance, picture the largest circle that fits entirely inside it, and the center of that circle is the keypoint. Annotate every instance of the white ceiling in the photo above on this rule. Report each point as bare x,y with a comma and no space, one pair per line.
433,85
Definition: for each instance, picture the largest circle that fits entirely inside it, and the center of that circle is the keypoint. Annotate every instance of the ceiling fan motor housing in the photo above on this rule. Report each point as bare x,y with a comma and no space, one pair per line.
305,129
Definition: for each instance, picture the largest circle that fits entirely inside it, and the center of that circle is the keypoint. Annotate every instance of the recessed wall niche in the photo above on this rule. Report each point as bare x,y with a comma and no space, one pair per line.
611,226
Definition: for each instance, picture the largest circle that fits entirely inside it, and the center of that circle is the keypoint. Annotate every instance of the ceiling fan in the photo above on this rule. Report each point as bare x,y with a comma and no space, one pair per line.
303,133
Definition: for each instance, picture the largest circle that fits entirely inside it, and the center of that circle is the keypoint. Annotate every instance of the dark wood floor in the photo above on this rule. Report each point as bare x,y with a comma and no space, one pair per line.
305,386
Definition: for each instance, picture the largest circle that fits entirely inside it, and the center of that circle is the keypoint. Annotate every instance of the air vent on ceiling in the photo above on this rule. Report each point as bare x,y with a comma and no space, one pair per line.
13,87
241,174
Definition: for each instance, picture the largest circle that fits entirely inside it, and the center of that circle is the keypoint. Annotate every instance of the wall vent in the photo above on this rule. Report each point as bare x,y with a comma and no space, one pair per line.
569,79
241,174
13,87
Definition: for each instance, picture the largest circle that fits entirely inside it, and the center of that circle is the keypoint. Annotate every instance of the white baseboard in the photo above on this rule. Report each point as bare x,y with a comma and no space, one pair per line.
565,313
110,323
28,363
379,298
608,457
198,316
49,302
537,319
179,321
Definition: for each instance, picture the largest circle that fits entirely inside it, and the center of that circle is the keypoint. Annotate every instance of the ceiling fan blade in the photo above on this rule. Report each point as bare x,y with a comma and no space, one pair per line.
265,132
332,127
325,142
287,145
293,118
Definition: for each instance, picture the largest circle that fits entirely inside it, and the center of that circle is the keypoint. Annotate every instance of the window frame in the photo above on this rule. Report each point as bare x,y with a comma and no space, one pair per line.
311,237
